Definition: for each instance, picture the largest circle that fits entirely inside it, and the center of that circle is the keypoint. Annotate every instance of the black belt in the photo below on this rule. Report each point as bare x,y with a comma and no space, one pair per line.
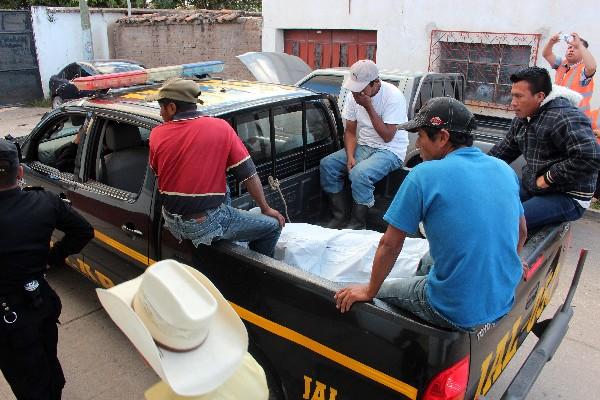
199,216
8,303
19,297
13,298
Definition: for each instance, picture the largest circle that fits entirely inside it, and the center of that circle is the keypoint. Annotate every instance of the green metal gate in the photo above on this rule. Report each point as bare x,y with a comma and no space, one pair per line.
19,72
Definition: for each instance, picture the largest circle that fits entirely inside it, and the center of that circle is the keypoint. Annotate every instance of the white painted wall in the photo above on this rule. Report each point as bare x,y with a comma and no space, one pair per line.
404,26
57,33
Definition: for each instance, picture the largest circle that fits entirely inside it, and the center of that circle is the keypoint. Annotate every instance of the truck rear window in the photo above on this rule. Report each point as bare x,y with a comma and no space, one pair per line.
288,127
255,131
329,84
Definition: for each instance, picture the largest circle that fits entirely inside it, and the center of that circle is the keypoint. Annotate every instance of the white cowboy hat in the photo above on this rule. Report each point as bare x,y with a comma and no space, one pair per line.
181,324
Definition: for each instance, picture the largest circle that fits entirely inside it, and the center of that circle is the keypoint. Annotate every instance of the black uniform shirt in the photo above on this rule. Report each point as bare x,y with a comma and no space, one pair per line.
27,220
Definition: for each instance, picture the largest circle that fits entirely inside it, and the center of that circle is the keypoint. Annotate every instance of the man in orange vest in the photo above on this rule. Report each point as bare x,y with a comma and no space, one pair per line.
576,70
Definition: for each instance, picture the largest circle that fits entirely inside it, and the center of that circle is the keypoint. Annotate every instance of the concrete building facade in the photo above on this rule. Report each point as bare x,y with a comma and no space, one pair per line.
408,32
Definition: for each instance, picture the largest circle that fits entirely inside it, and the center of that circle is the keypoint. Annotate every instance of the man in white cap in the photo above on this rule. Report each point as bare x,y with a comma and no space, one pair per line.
188,333
378,149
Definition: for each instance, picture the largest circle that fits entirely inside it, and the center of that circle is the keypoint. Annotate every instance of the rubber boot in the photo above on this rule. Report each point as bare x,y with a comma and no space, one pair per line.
339,209
359,217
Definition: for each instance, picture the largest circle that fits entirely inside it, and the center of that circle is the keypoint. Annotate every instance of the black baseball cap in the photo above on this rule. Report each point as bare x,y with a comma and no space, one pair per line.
442,113
9,157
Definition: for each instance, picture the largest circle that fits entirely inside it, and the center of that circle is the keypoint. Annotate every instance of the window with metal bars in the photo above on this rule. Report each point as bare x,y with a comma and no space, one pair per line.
485,59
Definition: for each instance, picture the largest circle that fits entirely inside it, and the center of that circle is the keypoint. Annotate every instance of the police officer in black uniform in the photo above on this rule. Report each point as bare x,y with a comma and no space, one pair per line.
29,307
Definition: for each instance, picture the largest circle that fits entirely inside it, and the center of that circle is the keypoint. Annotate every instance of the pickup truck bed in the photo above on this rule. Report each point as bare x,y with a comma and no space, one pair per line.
291,316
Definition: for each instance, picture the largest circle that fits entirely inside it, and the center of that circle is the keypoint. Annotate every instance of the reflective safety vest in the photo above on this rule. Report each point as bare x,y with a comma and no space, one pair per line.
571,77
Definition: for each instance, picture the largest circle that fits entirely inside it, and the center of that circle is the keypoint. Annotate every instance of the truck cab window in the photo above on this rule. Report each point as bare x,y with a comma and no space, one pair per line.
317,126
288,129
329,84
255,131
59,142
122,156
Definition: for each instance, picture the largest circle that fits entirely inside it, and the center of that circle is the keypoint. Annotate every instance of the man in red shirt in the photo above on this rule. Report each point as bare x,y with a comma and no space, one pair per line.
190,154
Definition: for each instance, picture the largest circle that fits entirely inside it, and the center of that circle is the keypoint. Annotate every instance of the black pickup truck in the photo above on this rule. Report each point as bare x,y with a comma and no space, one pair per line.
308,349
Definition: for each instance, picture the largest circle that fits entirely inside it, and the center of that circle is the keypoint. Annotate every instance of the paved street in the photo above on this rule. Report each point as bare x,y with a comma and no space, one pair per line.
100,364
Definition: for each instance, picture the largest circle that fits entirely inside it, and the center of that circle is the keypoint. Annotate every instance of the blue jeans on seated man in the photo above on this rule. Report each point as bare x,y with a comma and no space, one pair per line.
549,208
372,165
410,295
229,223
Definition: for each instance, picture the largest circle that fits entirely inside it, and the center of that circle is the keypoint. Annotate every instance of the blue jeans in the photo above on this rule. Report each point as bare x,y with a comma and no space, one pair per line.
549,208
372,165
230,223
410,295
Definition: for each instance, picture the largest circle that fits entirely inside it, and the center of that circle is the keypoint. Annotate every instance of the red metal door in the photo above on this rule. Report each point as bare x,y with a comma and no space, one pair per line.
331,48
367,45
319,49
296,42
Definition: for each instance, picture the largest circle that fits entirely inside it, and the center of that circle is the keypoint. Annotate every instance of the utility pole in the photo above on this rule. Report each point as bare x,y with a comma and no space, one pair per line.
86,27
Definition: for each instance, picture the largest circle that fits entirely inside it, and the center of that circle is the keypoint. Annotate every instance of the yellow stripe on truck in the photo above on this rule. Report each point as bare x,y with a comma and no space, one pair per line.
122,248
327,352
289,334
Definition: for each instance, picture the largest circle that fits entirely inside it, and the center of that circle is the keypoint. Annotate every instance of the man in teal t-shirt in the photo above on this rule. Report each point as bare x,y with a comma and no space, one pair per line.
469,204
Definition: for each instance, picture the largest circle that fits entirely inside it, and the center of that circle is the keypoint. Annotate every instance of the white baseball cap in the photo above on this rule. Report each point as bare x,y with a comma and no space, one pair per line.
361,74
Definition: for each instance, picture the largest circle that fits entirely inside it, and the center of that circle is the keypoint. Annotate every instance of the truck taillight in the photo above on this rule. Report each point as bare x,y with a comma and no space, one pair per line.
450,384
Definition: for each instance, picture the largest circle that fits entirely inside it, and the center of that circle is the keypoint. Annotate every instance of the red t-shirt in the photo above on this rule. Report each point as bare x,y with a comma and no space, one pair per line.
191,157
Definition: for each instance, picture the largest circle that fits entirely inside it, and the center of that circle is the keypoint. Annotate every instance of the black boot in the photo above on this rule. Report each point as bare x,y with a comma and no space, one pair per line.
359,217
339,209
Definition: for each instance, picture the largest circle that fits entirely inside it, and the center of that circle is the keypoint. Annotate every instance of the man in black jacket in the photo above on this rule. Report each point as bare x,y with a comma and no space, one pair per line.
29,306
560,150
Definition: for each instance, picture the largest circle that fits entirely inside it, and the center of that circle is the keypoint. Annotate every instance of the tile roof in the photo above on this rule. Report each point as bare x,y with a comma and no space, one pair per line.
187,16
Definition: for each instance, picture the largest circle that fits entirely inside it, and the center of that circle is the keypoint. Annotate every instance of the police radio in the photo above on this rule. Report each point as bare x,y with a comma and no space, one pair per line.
33,293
